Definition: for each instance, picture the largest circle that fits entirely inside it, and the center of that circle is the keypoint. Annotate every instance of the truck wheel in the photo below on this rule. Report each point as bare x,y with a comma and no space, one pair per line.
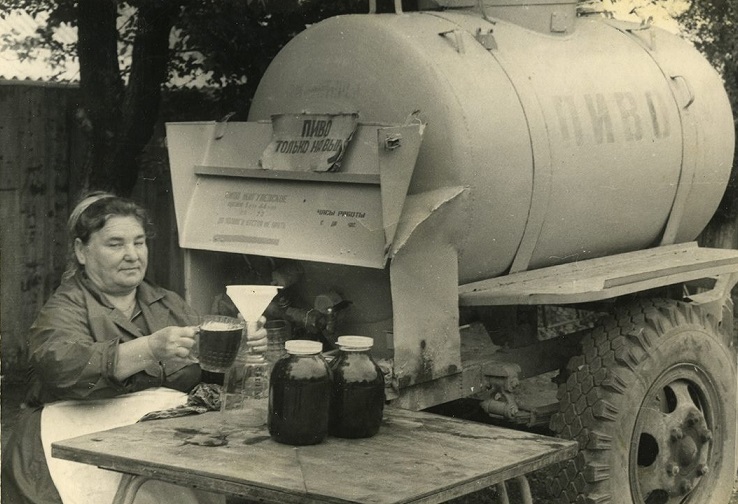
651,401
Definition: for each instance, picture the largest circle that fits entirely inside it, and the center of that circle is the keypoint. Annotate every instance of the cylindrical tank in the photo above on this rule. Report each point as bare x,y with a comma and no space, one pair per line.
604,139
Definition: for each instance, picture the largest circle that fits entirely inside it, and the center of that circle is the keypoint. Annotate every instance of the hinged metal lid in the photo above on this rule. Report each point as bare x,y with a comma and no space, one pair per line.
226,201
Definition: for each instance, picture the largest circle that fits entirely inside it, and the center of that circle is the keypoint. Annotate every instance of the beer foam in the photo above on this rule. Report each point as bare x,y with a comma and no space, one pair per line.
215,325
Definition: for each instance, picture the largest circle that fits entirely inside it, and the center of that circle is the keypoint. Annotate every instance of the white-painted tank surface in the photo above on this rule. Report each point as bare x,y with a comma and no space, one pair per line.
611,138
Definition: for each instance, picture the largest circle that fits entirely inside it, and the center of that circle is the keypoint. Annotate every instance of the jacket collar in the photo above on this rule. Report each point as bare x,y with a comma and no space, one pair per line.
148,296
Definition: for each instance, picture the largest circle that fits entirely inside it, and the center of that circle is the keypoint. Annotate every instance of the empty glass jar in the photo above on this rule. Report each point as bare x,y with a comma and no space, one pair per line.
246,389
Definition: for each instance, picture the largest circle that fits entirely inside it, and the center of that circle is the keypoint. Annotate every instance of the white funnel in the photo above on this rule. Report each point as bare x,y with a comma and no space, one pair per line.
251,300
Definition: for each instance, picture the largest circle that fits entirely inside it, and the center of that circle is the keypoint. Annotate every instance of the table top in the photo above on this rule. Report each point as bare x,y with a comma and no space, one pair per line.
416,457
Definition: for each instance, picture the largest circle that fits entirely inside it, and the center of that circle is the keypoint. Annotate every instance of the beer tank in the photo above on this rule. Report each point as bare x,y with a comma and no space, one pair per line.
574,137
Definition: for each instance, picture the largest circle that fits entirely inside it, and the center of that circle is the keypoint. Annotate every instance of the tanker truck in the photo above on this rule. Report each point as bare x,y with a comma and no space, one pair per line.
505,197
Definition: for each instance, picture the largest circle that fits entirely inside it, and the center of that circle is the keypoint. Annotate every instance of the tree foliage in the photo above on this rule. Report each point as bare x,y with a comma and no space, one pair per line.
128,50
227,44
120,104
713,27
234,41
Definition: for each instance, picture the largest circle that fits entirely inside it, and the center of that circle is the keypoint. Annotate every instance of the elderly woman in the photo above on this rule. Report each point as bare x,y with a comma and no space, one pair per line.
104,333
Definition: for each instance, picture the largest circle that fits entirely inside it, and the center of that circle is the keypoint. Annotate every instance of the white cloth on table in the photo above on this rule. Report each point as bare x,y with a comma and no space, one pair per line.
79,483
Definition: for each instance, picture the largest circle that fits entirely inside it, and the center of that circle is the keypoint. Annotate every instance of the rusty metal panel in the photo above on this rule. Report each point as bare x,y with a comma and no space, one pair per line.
424,273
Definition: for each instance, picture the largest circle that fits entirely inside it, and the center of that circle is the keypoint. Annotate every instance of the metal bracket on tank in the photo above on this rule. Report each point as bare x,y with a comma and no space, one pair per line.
221,125
484,13
486,38
458,38
688,88
645,29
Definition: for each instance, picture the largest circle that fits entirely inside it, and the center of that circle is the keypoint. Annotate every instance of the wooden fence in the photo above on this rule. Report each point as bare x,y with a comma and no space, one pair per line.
42,154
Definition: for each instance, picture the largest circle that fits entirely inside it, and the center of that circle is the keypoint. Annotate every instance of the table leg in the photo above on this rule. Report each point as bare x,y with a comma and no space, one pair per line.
128,488
525,492
525,489
502,492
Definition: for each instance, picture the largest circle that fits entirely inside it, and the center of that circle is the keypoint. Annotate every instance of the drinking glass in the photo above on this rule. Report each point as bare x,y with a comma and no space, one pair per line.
217,342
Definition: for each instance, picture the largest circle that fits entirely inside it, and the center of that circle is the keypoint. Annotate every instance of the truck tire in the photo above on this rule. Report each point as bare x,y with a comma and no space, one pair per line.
651,401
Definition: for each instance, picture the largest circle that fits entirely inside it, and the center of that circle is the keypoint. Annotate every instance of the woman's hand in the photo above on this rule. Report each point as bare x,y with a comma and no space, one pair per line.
168,344
256,334
172,342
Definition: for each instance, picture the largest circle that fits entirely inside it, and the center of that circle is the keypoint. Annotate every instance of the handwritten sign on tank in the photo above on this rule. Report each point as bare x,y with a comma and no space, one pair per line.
308,142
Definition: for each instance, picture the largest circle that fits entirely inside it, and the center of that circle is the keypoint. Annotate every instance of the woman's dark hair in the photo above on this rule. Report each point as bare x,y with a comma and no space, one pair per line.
94,210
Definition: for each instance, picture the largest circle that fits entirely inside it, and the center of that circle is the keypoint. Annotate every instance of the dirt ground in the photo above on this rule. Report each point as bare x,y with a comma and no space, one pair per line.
12,396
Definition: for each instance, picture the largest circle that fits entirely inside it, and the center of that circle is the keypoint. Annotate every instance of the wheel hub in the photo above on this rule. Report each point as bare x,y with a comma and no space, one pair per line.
688,449
674,444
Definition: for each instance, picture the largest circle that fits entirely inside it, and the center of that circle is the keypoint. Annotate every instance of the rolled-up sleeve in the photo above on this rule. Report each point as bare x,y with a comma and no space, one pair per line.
66,357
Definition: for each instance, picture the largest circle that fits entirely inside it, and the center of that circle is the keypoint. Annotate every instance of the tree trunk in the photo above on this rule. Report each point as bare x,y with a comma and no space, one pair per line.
142,99
100,83
122,117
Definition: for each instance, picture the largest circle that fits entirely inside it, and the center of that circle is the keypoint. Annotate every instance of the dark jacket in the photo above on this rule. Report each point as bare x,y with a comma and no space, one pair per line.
73,343
73,347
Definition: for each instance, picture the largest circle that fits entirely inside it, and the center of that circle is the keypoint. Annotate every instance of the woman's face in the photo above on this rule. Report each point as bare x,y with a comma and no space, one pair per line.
116,256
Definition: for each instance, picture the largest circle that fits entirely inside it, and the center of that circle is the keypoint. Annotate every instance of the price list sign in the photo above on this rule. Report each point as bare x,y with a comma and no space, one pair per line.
340,223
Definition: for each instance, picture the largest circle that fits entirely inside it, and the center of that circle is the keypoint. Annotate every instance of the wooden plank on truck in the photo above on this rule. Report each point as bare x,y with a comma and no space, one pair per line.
602,278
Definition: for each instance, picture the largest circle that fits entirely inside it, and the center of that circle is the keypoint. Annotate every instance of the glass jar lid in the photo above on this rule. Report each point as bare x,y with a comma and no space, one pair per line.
355,343
303,347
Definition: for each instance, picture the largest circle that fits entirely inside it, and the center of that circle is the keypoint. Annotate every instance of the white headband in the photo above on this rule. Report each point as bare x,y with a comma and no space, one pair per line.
82,206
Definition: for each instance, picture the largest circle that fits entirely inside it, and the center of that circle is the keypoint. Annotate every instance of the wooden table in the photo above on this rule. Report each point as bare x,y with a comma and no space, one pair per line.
416,457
